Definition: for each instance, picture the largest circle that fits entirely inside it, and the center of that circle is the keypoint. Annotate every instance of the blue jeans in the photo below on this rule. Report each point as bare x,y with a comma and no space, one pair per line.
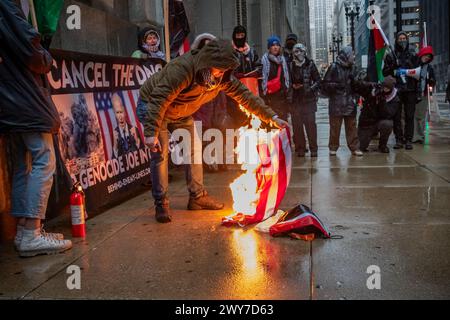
31,188
159,164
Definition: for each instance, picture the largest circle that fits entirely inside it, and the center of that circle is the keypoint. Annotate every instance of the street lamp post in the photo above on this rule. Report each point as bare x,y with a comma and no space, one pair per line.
337,41
333,51
352,14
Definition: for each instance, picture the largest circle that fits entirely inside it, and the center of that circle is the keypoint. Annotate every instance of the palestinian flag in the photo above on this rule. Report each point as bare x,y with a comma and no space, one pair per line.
378,44
47,13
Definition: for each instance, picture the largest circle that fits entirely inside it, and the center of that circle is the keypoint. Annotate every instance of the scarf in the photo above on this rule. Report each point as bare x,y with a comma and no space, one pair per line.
244,50
391,96
279,60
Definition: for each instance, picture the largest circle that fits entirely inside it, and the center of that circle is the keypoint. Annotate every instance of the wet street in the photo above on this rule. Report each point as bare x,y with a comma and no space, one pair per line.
393,212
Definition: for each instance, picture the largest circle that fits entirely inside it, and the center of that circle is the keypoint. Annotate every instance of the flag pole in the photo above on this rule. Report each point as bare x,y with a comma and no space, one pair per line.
425,44
33,14
166,29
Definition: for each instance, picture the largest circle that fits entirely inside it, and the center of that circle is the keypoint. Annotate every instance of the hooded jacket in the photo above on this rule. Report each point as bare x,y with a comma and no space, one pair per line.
174,93
404,59
376,106
25,105
142,53
338,84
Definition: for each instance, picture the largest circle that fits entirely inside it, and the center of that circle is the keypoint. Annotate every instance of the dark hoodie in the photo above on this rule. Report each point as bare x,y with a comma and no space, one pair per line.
339,85
404,58
25,105
174,93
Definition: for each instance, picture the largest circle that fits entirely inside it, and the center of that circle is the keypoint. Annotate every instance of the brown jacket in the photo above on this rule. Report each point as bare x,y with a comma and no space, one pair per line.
175,94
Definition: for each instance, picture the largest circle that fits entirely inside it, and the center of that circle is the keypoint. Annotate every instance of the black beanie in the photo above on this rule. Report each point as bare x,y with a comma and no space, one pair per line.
239,42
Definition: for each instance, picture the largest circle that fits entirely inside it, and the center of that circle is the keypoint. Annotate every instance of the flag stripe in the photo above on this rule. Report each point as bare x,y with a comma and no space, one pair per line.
273,179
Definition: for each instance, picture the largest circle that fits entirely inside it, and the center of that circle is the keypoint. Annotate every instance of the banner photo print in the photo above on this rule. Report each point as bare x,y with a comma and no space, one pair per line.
101,139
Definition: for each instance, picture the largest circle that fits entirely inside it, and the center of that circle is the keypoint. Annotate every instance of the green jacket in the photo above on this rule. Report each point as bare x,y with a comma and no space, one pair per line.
174,93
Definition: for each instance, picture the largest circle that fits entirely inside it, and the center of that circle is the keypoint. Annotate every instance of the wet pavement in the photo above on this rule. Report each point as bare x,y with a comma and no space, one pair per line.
393,212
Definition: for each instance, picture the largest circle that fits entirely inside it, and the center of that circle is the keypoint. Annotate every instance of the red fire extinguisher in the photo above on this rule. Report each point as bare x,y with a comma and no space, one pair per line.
78,212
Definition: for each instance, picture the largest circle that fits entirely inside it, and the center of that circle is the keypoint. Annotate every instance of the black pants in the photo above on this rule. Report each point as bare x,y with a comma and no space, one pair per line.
278,103
366,133
302,122
408,107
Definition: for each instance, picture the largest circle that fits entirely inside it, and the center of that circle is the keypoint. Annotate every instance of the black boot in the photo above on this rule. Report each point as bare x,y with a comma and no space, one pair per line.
399,145
384,149
409,146
162,212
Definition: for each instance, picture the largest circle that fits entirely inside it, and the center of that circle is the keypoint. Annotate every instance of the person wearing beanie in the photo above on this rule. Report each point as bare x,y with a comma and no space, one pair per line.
339,85
381,103
149,45
305,79
248,58
427,80
275,77
403,57
291,41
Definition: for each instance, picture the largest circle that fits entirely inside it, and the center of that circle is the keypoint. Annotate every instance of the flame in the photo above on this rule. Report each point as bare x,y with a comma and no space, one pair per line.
245,189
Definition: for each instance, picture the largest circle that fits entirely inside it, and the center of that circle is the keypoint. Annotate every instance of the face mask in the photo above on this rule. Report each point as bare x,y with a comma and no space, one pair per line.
403,44
208,80
290,45
150,48
300,55
240,43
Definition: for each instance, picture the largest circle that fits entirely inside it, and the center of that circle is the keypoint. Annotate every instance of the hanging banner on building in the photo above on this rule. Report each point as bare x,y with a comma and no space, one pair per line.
101,139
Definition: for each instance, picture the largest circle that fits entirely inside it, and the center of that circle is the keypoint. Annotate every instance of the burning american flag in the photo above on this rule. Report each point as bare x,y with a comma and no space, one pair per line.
266,159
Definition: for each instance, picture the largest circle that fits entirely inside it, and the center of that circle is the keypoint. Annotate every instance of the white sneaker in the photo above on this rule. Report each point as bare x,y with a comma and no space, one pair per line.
35,243
358,153
18,238
333,153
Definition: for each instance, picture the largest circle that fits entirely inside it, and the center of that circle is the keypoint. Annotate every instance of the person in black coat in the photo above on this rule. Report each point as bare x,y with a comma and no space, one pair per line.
248,58
339,85
381,103
403,57
29,118
288,50
303,97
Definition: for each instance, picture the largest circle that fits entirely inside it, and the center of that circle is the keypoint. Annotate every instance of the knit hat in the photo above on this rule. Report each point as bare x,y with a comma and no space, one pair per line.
401,33
240,43
292,36
272,41
300,46
426,50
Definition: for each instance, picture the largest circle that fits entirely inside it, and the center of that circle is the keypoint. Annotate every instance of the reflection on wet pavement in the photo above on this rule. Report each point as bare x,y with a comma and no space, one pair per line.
393,211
